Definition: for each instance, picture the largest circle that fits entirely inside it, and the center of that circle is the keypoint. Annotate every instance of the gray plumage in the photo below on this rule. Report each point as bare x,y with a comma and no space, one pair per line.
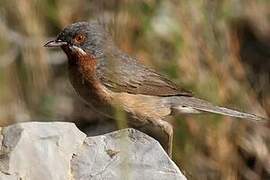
105,77
119,72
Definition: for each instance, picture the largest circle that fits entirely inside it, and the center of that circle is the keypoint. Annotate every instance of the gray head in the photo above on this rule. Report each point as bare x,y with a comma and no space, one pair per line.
83,37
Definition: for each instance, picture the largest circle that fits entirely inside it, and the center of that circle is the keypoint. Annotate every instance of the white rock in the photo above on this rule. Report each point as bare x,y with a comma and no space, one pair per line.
124,154
38,151
59,151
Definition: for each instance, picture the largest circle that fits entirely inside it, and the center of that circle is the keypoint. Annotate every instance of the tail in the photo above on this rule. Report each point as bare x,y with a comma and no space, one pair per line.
184,104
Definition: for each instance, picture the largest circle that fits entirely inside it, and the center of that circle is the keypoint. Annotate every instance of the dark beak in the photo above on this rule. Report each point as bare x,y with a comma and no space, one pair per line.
55,43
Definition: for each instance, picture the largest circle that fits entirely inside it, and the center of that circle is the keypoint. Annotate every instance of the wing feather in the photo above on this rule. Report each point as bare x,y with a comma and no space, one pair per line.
121,73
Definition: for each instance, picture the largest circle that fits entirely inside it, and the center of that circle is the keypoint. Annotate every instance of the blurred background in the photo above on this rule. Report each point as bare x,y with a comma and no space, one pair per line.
219,49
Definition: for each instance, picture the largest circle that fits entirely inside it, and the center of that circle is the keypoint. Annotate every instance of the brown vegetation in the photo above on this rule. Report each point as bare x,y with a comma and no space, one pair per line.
220,50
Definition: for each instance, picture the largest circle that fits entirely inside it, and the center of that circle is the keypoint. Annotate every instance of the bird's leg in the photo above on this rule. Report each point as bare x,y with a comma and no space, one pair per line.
160,130
167,130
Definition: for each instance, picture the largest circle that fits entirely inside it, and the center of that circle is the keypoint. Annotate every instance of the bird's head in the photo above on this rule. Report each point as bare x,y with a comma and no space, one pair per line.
82,38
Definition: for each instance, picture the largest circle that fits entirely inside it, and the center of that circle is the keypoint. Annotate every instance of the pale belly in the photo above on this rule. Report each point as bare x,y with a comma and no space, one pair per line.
141,107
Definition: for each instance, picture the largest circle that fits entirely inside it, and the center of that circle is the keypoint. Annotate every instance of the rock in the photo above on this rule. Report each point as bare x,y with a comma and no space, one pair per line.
59,151
124,154
38,151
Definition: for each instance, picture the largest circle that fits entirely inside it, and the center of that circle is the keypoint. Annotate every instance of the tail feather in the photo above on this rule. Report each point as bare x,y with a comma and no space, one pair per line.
204,106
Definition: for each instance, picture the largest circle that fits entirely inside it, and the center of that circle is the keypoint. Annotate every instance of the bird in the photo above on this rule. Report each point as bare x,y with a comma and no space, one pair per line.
105,77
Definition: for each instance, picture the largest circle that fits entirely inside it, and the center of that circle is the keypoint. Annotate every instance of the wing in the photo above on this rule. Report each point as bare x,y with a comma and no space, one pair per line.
122,73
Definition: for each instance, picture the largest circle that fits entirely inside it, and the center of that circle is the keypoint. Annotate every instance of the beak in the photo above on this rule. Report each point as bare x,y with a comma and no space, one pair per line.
55,43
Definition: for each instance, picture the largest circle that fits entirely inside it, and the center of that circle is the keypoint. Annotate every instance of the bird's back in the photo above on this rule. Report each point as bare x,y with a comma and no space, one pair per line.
122,73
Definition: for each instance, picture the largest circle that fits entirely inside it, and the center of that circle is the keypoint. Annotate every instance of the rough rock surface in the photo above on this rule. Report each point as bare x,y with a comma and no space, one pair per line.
124,154
59,151
37,150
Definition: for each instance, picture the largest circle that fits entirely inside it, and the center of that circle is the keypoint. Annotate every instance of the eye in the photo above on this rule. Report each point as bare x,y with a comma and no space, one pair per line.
80,38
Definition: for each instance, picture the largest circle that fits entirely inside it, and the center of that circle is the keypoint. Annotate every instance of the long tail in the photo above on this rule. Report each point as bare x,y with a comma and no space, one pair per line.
194,105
